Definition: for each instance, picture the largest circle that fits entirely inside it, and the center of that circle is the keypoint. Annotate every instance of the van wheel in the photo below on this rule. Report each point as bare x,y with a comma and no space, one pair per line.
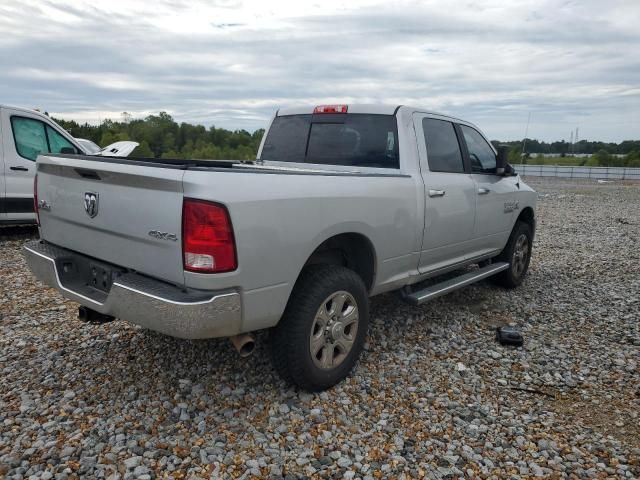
517,253
322,331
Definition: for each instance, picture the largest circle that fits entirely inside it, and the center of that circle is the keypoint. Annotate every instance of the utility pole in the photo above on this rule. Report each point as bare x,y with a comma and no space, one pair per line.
524,141
571,143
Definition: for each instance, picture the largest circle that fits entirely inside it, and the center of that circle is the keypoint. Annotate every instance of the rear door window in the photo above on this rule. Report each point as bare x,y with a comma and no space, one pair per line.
363,140
443,149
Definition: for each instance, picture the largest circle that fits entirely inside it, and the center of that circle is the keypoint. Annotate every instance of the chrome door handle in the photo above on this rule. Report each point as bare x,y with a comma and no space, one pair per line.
483,191
436,193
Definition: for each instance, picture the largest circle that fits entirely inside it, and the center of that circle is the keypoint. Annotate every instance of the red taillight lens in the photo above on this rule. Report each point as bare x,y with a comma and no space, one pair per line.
208,245
35,198
330,109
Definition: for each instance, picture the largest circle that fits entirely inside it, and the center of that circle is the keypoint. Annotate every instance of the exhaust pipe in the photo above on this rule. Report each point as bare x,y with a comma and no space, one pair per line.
244,344
91,316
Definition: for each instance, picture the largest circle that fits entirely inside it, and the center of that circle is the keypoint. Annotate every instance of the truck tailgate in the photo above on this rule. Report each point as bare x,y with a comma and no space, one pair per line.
123,213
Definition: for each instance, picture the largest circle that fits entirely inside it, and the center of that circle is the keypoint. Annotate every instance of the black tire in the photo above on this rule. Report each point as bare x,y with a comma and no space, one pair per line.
291,339
518,265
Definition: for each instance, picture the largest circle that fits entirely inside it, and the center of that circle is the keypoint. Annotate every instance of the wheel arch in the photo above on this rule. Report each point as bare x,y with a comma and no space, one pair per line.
527,215
349,249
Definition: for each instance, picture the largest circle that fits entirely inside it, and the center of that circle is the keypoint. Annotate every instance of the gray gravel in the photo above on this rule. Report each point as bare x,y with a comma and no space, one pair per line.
434,396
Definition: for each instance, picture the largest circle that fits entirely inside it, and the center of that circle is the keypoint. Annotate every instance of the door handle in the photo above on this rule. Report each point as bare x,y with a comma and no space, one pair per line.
20,169
483,191
436,193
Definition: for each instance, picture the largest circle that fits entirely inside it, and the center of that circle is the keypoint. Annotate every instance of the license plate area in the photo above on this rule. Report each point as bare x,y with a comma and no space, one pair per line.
85,275
101,277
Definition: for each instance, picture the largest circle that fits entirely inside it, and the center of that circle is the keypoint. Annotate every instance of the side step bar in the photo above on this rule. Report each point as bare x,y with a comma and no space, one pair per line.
439,289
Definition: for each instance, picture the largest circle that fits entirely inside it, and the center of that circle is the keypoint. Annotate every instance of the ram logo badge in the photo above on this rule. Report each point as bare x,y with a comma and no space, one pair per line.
163,235
91,204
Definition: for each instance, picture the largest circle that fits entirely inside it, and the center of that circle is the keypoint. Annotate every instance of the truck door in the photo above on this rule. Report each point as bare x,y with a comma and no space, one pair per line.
25,135
496,200
450,194
23,138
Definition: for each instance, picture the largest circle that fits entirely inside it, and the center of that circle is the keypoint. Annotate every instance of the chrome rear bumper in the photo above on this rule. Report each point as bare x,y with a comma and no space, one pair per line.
150,303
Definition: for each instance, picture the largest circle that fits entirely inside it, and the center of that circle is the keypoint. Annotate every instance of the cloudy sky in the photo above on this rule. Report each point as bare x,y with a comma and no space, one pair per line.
231,63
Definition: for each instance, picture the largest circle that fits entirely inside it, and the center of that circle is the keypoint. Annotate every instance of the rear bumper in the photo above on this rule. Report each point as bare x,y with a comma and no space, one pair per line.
150,303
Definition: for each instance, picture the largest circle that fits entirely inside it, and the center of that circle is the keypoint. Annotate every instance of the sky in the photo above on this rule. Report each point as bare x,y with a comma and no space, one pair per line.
232,63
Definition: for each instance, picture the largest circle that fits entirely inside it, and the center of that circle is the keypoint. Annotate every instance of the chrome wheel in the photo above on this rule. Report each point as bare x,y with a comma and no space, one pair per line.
520,255
334,330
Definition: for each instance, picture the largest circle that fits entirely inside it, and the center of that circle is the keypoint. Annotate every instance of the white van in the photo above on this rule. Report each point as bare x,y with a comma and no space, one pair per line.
24,134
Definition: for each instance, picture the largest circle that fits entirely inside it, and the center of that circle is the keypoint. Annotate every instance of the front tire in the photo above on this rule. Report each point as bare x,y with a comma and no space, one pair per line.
517,253
322,331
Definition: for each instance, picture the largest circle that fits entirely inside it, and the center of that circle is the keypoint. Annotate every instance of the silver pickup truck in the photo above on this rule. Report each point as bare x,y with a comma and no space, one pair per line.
342,203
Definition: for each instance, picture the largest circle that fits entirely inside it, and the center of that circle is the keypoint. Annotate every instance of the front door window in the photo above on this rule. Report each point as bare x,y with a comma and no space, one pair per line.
33,137
483,159
30,137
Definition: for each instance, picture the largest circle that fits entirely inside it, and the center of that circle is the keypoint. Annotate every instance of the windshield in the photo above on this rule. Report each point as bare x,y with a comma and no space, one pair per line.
364,140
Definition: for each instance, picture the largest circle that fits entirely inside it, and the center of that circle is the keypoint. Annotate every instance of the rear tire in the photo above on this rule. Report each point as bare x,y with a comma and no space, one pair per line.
322,331
517,253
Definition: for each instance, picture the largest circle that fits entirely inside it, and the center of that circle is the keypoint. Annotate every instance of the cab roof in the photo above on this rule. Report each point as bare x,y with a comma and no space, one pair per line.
26,110
371,108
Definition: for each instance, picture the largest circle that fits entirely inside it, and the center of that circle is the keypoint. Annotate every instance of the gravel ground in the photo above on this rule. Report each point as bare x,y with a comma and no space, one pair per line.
434,396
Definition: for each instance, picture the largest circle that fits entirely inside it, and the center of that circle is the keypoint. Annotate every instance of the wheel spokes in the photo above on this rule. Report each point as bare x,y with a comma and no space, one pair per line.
328,352
349,316
337,304
334,329
520,255
344,344
317,342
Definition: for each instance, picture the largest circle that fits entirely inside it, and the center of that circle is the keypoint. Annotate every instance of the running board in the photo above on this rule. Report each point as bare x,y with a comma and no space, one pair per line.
439,289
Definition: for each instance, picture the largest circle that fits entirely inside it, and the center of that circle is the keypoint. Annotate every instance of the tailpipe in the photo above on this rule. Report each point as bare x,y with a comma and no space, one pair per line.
244,344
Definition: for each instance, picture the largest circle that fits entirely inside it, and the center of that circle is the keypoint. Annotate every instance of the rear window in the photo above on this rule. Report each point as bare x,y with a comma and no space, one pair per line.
363,140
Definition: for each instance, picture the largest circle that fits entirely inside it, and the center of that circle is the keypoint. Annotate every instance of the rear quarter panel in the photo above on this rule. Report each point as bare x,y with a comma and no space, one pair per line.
279,219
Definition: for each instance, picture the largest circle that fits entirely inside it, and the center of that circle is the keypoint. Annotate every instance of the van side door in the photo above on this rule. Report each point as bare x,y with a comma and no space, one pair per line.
450,194
25,136
496,195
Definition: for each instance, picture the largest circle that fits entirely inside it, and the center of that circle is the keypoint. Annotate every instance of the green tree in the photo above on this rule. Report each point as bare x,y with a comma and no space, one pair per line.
170,154
142,151
109,137
602,158
515,155
632,159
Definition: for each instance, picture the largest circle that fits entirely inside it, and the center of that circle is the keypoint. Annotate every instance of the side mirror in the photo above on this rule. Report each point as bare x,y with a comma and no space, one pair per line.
509,171
501,160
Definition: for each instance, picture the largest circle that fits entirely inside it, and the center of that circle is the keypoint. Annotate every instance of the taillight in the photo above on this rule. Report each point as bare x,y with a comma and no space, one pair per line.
330,109
35,198
208,245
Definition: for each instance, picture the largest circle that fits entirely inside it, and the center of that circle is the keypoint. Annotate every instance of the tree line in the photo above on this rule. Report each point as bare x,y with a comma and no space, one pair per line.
603,154
161,136
533,146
